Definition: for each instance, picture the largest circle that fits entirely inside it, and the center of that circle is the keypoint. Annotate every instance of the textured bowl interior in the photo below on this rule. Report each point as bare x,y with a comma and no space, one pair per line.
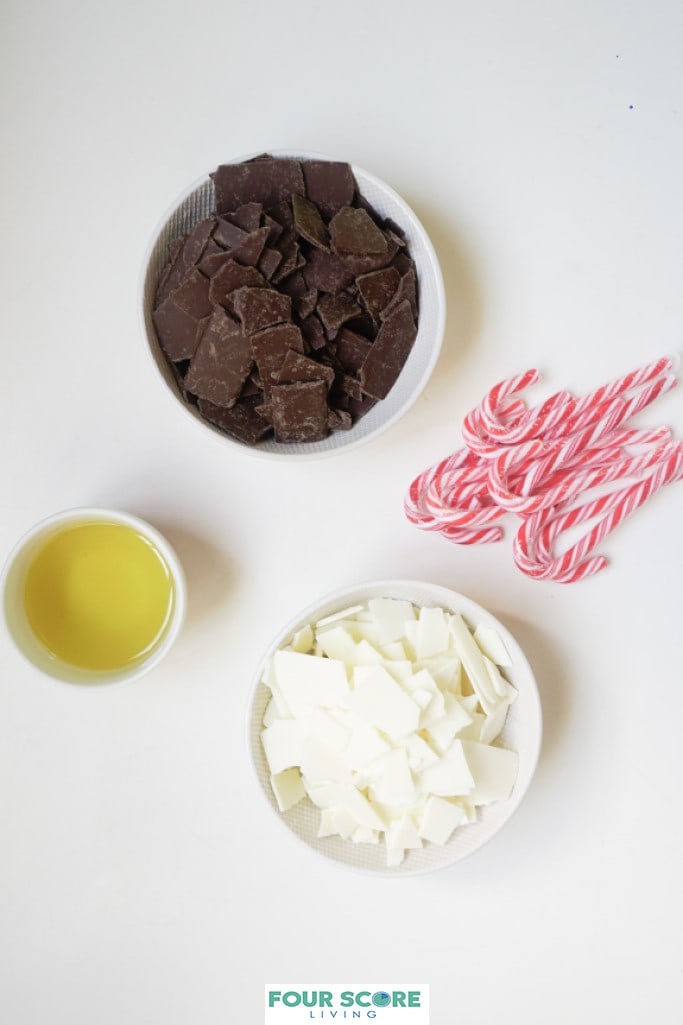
198,202
522,733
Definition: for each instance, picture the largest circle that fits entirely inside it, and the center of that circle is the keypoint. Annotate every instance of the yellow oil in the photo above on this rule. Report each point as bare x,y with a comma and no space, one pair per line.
98,595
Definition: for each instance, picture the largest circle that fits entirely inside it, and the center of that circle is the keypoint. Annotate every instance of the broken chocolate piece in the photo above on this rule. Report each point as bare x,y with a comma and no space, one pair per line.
248,216
329,184
241,421
353,231
231,277
326,272
407,289
269,262
308,222
389,352
352,350
176,330
269,181
248,251
335,310
377,289
192,295
228,234
313,332
339,419
300,411
270,348
260,307
221,362
301,368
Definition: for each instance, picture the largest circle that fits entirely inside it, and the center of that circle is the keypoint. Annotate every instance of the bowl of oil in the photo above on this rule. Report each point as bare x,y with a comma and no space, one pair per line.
93,596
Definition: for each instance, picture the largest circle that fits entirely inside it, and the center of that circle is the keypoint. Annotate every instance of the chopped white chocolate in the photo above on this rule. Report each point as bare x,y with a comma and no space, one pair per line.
450,776
439,819
283,743
493,768
310,680
379,700
491,644
390,615
432,633
288,788
384,716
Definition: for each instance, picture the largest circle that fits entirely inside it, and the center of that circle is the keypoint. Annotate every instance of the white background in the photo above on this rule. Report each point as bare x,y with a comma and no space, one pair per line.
142,876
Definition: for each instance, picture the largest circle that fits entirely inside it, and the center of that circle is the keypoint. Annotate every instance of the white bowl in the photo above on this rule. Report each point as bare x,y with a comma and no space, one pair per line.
522,733
198,202
12,584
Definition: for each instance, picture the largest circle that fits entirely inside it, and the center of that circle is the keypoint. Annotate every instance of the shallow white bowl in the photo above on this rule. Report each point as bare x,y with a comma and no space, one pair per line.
16,624
198,202
522,733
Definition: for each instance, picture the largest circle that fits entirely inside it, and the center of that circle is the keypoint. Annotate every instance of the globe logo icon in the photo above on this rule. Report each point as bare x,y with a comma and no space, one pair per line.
381,999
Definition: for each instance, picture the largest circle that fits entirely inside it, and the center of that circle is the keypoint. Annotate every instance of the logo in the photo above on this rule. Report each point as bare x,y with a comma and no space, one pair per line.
297,1003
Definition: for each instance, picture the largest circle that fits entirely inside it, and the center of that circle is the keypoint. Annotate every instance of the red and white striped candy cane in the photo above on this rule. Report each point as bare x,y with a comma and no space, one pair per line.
532,545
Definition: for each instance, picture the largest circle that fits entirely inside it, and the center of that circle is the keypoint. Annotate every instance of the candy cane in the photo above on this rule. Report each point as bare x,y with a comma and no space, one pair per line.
532,545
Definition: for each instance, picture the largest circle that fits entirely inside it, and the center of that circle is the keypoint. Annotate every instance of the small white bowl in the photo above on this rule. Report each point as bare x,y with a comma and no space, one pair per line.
12,582
198,202
522,733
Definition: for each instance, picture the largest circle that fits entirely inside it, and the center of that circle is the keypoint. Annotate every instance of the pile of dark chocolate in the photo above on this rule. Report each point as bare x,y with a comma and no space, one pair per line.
293,310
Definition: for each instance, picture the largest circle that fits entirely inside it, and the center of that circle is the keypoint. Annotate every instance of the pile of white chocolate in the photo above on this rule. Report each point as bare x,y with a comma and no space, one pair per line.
385,715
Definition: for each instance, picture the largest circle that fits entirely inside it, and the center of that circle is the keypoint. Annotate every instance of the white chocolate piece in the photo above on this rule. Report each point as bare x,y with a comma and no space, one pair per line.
493,768
309,679
450,776
302,641
432,633
393,780
379,700
439,819
283,744
342,614
288,788
321,765
472,659
491,644
390,615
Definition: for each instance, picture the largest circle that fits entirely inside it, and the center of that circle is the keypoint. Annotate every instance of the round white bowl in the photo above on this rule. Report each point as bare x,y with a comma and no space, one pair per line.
12,590
198,202
522,733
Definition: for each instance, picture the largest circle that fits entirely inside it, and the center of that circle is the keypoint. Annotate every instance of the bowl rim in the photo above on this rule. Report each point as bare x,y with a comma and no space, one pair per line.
442,595
302,454
74,675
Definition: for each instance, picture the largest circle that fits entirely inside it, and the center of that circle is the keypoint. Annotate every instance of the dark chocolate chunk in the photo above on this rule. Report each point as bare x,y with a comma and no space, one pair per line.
335,310
211,264
377,288
176,330
363,263
338,419
248,216
248,251
326,272
305,304
274,229
230,277
301,368
269,262
313,332
357,408
188,255
352,350
329,184
389,352
300,411
308,222
228,234
407,289
241,421
351,386
260,307
270,348
192,295
221,362
269,181
354,232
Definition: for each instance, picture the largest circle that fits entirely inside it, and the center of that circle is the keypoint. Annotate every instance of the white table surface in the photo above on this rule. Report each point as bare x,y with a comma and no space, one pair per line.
142,877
